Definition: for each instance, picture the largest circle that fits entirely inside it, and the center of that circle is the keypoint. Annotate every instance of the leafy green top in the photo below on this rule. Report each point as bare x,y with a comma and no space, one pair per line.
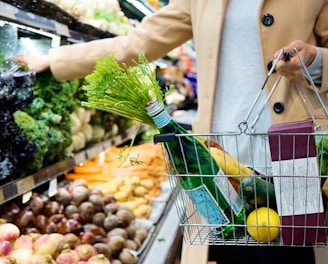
123,90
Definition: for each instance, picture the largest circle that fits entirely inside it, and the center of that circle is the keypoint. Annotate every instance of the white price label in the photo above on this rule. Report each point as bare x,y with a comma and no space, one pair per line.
26,197
62,29
52,187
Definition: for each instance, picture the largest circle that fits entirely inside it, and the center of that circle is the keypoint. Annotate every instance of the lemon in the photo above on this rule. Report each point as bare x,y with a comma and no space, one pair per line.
263,224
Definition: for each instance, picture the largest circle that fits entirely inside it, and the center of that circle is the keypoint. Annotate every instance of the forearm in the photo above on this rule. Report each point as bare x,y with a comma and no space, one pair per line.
315,69
155,37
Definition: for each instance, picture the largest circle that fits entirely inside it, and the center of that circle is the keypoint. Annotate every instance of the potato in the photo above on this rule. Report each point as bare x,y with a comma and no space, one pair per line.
103,248
111,222
116,244
140,191
97,201
147,183
121,196
126,257
86,210
125,217
131,244
118,232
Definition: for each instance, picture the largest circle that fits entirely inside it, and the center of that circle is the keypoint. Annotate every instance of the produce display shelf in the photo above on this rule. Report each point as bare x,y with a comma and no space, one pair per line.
24,185
165,241
48,17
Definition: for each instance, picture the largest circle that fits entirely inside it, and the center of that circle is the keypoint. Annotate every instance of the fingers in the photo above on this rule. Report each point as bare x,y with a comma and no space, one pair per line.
289,65
37,63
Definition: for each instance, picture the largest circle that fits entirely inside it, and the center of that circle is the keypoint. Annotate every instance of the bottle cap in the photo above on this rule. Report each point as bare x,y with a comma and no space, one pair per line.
154,107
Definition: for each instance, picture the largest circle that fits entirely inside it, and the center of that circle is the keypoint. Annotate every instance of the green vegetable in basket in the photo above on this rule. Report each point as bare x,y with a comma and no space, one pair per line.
322,150
258,192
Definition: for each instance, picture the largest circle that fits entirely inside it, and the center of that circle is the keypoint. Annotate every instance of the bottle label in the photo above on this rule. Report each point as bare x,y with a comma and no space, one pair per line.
228,192
207,206
162,119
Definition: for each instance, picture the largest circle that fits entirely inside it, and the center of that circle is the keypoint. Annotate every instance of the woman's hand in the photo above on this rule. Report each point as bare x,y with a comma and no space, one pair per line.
37,63
291,67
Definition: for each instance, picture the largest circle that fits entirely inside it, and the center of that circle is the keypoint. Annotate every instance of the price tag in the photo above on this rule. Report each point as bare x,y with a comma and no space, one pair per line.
101,158
62,29
2,198
52,187
7,11
26,197
25,185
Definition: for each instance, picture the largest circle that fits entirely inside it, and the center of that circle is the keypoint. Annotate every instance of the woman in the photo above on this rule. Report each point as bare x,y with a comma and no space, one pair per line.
236,42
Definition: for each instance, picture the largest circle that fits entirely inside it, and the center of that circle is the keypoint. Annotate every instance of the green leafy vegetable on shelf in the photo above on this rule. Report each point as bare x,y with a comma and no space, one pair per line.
37,132
123,90
53,103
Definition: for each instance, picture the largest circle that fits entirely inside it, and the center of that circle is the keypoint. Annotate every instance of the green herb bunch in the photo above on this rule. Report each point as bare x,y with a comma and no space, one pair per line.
123,90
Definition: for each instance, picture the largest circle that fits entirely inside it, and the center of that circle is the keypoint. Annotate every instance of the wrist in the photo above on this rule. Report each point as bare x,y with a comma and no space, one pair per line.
313,53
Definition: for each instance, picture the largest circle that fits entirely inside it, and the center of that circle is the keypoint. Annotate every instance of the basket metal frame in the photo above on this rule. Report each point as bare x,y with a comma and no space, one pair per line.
197,232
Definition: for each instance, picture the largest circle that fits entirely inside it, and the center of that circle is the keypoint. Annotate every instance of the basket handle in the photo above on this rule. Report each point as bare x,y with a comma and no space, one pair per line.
243,125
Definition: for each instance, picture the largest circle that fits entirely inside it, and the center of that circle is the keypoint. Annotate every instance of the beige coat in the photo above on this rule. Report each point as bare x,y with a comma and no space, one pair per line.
202,21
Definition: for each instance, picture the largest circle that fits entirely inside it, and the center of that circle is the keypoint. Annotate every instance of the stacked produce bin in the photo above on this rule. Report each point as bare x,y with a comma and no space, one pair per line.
49,206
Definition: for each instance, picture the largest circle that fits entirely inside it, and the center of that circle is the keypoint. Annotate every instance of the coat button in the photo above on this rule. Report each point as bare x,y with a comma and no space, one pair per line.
278,107
270,66
267,19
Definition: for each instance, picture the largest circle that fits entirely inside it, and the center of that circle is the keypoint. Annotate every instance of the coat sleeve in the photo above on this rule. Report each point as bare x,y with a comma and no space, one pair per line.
155,37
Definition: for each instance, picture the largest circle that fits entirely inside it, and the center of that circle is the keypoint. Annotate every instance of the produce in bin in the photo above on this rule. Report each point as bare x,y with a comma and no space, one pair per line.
17,151
77,223
46,120
134,186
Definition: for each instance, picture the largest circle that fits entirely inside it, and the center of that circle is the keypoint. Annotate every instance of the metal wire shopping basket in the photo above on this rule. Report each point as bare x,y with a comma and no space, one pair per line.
288,175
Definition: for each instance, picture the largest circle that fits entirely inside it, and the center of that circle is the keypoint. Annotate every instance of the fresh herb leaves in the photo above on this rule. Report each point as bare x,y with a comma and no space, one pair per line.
123,90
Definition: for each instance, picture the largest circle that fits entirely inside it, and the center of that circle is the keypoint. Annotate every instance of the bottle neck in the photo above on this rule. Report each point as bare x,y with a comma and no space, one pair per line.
162,119
156,110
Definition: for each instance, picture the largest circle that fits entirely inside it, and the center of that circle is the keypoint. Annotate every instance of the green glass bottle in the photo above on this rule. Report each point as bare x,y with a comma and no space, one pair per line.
213,196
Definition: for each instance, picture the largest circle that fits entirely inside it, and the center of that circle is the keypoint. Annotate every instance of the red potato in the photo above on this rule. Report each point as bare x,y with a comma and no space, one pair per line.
9,232
25,218
35,204
87,237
